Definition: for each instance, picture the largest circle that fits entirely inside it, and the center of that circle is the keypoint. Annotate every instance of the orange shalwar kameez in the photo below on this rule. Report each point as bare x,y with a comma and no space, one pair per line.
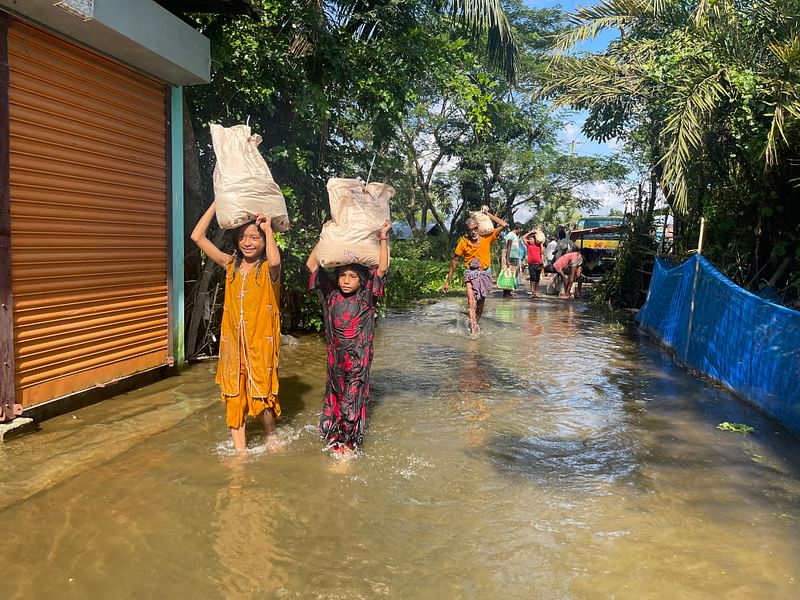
249,345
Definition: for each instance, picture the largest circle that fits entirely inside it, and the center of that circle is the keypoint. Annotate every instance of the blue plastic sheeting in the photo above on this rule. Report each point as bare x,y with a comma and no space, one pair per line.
728,334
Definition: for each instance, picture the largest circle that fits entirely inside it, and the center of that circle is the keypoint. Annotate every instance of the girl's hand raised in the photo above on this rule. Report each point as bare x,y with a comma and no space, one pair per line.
383,256
265,221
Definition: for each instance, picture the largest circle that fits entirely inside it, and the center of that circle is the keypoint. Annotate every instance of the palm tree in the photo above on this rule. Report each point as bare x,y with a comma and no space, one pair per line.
366,19
687,76
709,92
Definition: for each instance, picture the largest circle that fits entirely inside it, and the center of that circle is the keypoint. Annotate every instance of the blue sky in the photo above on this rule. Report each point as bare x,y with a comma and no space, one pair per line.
571,134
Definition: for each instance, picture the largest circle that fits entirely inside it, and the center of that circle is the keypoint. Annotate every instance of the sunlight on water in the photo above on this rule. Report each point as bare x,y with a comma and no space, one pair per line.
555,456
258,446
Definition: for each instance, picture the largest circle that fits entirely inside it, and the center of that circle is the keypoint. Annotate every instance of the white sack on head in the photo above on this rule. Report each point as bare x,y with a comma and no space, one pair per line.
485,224
359,212
243,184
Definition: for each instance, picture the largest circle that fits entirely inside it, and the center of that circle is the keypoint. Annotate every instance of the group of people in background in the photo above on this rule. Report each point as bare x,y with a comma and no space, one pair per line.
560,256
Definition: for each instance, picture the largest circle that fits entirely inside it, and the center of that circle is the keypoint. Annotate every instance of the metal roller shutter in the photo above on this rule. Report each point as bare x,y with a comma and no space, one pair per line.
88,188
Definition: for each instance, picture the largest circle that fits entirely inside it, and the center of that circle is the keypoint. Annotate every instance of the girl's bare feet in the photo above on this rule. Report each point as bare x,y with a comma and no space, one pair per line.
16,409
274,445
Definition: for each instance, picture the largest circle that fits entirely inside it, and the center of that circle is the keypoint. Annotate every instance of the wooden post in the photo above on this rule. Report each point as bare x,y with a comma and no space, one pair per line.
7,371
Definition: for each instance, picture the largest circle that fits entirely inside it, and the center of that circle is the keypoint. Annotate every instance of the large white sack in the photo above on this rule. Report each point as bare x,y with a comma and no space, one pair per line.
243,184
485,224
339,246
350,200
359,212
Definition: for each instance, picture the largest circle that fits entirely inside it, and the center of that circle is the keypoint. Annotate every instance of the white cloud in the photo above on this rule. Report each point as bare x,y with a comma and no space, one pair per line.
574,140
609,196
571,132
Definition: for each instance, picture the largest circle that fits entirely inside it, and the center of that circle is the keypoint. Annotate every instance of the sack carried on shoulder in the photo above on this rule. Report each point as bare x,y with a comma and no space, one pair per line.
485,225
507,279
243,184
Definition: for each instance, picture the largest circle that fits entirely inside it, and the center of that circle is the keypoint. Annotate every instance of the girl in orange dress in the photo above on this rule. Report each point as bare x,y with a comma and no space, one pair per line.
250,337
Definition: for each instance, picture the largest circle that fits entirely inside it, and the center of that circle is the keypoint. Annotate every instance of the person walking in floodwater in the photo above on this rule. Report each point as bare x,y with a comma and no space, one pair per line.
476,251
349,303
249,342
512,254
535,254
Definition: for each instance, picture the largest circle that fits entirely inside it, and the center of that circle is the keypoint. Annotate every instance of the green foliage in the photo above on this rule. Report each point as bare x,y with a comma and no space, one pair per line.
419,268
300,309
503,138
423,247
708,94
626,284
413,279
369,90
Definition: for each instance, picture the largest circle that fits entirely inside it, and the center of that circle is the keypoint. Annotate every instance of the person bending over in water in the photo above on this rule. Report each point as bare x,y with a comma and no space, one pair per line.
476,251
349,302
569,267
250,338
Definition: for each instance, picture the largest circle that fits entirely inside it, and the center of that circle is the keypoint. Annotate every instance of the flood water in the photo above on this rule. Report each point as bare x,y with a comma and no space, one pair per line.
556,456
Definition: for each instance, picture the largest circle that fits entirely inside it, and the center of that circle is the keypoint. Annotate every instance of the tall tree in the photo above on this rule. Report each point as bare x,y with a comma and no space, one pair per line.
326,84
711,90
478,19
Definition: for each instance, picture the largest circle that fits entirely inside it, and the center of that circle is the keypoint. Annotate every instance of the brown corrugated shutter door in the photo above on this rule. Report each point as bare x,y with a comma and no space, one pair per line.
88,187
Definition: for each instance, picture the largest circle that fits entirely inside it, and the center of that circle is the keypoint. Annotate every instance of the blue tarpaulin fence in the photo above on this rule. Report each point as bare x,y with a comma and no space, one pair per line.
732,336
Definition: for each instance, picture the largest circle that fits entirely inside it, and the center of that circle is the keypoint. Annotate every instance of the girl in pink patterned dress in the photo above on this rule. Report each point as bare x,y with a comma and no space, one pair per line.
349,308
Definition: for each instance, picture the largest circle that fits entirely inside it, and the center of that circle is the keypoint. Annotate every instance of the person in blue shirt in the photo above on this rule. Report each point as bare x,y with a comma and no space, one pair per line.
512,253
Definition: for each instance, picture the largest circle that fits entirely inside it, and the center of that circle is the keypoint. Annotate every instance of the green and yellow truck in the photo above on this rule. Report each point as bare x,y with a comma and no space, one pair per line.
601,233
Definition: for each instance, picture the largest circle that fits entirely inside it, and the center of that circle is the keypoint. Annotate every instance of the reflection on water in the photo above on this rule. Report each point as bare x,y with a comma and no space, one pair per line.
556,456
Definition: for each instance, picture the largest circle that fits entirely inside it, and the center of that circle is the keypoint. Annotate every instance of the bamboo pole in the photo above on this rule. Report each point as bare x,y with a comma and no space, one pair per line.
691,305
700,239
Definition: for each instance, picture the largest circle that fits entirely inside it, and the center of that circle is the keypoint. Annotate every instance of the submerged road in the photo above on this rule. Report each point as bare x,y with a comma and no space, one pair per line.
556,456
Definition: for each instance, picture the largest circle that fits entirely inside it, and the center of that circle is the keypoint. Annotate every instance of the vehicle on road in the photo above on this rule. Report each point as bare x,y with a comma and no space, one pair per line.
601,233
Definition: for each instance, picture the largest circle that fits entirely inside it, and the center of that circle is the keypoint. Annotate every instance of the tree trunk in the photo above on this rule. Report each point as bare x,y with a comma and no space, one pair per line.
200,295
192,195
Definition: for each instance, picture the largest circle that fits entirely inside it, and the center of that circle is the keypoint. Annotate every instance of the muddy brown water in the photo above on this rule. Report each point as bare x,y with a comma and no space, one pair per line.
556,456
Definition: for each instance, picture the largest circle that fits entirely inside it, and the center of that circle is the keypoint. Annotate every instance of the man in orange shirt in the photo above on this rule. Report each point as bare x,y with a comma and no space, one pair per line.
476,252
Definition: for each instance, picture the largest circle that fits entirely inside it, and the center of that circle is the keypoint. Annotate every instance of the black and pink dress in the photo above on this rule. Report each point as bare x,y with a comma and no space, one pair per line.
350,330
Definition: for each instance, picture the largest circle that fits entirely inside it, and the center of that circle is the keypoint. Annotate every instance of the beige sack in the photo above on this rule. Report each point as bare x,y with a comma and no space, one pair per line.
243,184
485,224
359,212
538,235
